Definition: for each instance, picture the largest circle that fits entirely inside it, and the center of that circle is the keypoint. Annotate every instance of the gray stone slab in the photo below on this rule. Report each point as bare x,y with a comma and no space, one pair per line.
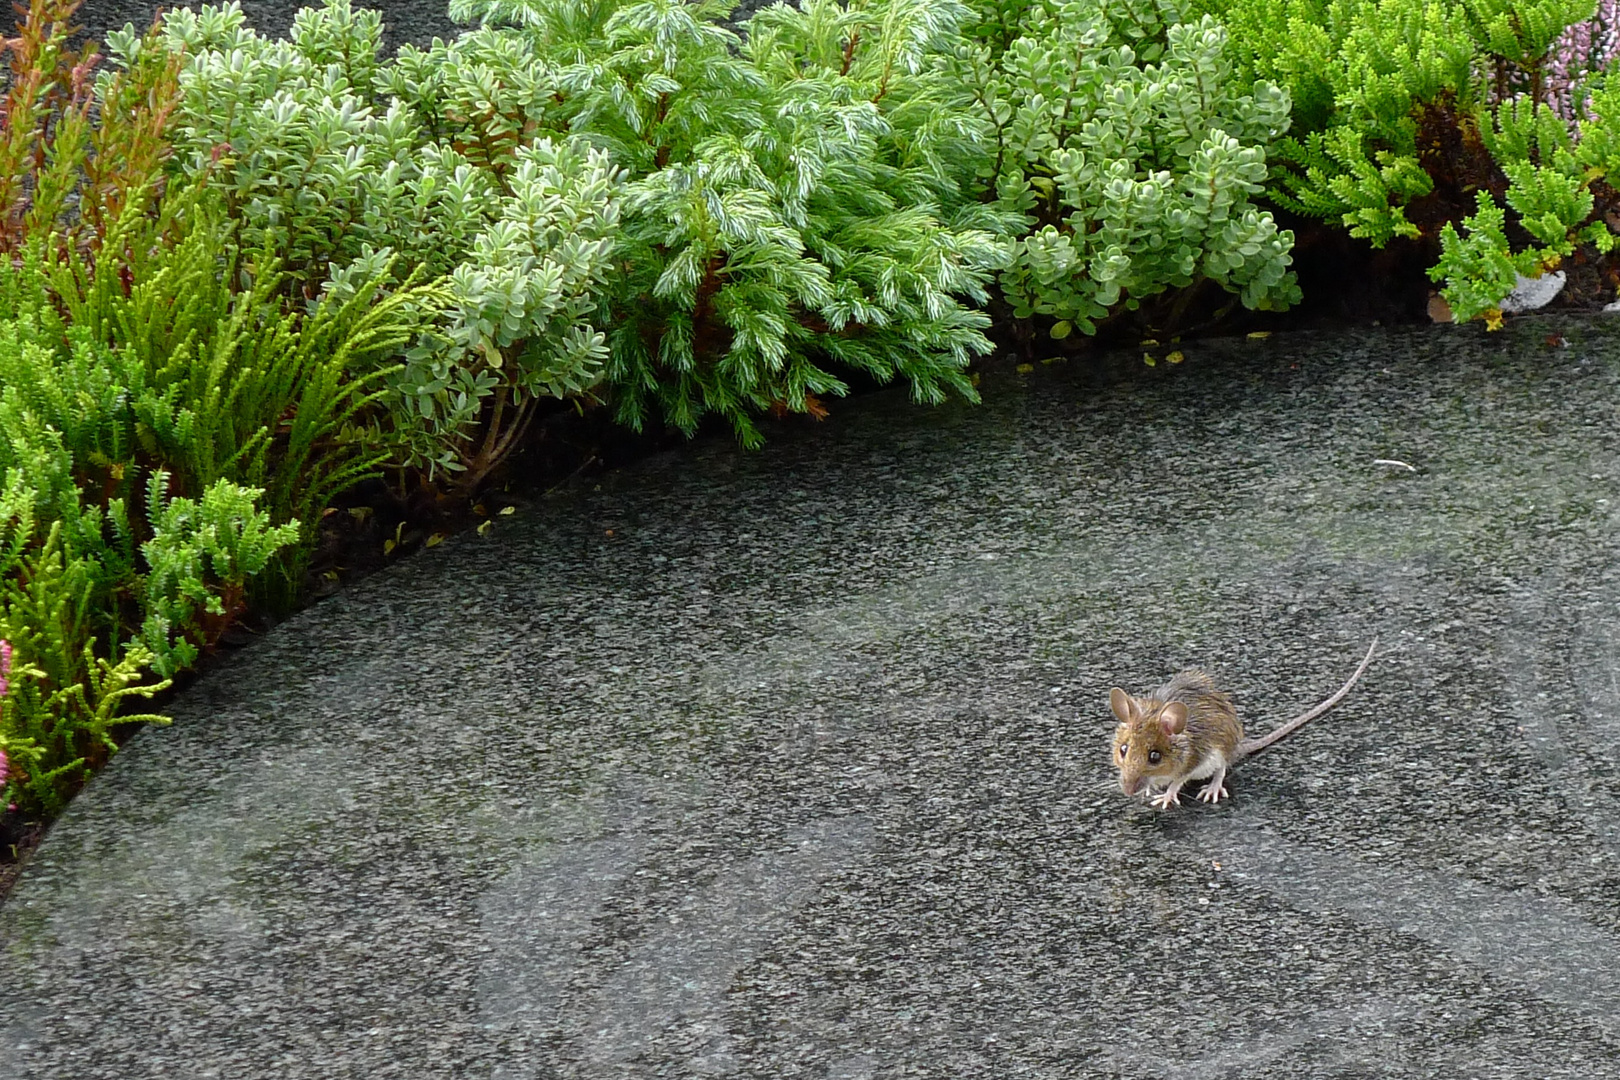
416,21
794,764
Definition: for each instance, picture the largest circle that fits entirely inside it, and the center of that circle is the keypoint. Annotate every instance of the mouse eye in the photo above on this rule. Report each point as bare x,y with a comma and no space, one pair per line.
1153,757
1123,747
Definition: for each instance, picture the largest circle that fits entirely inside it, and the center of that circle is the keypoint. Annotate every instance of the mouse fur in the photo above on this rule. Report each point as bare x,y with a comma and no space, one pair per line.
1185,730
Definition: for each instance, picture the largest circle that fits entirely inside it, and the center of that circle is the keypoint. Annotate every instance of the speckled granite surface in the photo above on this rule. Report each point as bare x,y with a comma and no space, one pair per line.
417,21
794,764
403,20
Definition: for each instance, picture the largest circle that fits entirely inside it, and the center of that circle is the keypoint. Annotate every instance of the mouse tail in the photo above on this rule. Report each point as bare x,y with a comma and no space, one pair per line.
1254,746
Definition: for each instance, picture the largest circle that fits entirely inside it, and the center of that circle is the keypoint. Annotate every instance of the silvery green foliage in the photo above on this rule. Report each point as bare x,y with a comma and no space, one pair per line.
1134,153
520,307
798,201
337,178
794,200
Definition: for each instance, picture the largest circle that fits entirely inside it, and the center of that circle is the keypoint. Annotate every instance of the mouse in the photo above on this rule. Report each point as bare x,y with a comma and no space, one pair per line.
1189,730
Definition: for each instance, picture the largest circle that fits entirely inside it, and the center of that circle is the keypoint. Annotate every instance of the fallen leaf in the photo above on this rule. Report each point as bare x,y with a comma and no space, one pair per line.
1493,319
506,510
389,546
1025,369
485,527
1259,335
1150,360
1176,357
437,538
1439,310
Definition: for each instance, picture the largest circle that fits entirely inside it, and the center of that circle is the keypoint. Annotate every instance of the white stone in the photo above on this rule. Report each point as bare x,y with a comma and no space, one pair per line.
1532,293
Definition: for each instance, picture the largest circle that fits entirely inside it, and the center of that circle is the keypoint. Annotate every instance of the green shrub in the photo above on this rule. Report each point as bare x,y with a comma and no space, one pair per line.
1553,181
735,217
98,583
199,558
342,184
184,359
1133,153
62,698
59,612
1412,117
60,173
168,431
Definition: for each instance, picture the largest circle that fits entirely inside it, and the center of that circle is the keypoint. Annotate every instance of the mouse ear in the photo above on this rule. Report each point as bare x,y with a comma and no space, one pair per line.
1121,703
1174,718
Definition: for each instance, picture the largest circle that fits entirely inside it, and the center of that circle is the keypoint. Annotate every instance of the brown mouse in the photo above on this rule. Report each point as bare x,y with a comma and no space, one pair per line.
1188,730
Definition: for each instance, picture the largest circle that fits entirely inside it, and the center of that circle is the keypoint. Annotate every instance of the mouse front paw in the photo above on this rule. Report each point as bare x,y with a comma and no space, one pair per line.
1166,799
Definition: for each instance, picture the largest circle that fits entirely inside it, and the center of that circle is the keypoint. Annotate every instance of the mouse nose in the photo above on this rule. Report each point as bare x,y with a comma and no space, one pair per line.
1130,785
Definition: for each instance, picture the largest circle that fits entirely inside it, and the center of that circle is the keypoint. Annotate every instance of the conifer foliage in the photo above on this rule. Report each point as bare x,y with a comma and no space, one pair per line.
169,429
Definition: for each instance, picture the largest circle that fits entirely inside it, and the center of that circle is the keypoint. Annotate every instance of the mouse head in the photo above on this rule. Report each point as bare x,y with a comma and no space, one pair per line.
1150,741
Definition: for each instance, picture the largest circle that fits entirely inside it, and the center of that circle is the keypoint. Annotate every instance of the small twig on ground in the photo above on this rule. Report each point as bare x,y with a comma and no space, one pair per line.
565,481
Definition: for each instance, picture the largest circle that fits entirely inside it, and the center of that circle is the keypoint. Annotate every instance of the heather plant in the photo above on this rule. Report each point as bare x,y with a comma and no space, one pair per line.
81,565
1123,138
62,175
169,434
1583,50
183,358
1556,189
197,562
64,696
1389,96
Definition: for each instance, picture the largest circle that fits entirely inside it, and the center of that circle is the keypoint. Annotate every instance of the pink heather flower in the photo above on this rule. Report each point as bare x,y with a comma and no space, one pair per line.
5,669
1583,49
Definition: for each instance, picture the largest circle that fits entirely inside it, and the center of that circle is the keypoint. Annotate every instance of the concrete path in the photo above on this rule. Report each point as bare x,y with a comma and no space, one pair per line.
794,764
